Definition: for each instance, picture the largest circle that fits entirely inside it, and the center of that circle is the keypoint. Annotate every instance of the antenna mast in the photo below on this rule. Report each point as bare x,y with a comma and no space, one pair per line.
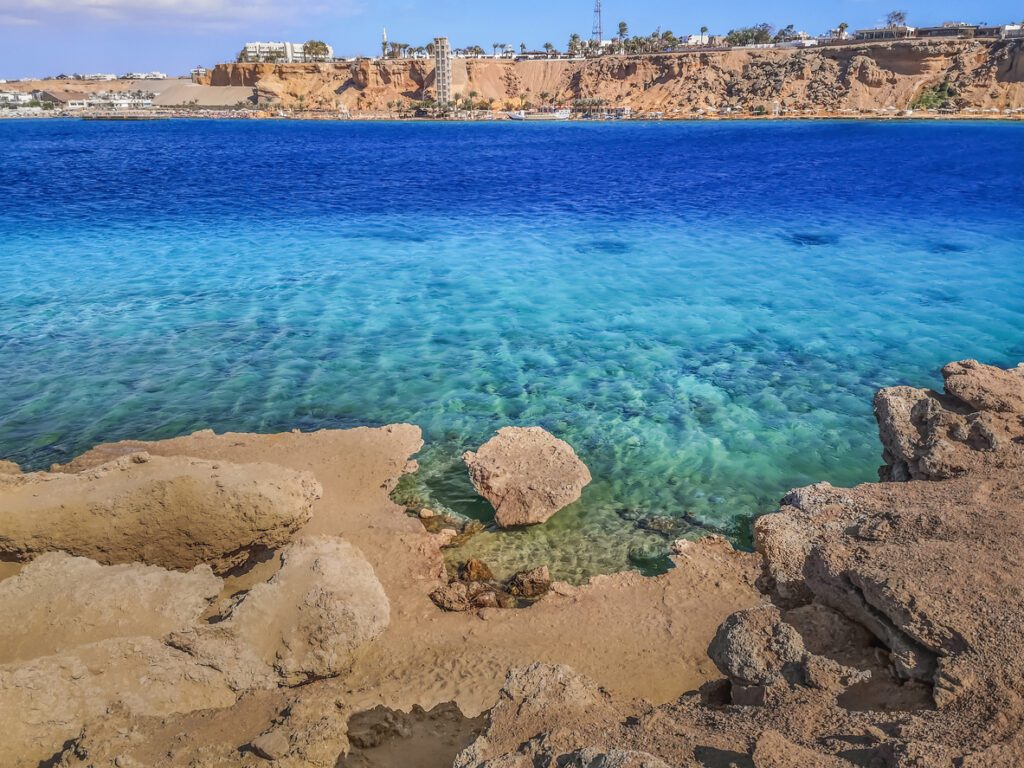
598,30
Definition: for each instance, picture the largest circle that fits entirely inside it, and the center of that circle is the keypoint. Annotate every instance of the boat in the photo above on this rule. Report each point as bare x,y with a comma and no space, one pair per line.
551,114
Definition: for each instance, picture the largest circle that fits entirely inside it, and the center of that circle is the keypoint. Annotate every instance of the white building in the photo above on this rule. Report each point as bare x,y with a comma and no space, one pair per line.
288,53
145,76
15,98
100,76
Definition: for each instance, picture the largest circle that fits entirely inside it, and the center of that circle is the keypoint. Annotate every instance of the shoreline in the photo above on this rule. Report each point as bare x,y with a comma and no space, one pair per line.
399,120
622,662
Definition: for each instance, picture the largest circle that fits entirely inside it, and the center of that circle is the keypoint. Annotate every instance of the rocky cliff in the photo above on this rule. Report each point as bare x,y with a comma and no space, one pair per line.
982,75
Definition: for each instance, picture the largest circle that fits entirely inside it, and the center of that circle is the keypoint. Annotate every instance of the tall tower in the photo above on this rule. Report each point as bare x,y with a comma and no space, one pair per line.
598,29
443,70
384,44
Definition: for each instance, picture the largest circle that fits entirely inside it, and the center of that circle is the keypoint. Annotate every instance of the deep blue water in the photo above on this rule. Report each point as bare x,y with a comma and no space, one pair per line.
703,310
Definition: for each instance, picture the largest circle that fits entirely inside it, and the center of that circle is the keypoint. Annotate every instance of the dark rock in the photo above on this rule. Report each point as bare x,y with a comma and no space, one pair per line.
531,584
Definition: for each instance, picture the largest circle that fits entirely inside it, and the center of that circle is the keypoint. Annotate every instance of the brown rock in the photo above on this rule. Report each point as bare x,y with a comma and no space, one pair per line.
272,745
9,468
476,570
451,597
46,701
775,751
62,602
526,474
531,584
174,512
986,388
306,623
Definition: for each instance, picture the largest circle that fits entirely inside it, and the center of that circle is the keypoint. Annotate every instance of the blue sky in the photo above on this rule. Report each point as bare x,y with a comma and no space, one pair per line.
41,37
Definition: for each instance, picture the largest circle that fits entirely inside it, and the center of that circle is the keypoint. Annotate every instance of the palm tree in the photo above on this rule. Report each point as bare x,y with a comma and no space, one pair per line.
549,49
522,47
623,31
704,36
843,26
574,44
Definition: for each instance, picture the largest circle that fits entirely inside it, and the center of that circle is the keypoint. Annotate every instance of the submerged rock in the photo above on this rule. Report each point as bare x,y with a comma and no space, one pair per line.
475,570
527,475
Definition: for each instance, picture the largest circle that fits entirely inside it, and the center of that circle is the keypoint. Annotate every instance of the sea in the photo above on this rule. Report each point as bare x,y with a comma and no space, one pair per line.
703,310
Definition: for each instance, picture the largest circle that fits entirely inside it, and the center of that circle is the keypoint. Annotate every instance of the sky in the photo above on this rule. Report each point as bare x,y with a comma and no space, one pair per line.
47,37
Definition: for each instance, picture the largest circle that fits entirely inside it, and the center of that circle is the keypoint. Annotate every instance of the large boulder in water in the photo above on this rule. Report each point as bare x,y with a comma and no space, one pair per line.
527,474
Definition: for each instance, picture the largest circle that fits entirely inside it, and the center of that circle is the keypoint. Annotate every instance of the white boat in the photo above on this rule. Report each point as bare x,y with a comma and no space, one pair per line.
552,114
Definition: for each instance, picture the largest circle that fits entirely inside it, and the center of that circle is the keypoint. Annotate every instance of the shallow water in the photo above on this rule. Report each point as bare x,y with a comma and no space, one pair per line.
702,310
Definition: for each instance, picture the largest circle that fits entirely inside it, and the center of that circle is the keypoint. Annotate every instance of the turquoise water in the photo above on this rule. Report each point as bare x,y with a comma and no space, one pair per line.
703,311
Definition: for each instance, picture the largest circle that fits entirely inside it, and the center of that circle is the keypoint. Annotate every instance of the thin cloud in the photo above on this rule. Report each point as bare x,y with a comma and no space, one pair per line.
10,20
212,12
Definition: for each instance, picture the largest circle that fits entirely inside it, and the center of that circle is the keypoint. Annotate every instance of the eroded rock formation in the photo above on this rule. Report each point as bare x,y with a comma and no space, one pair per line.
174,512
306,623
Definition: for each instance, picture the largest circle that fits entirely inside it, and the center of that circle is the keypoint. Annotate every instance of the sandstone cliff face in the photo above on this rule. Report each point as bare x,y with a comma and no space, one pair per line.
854,77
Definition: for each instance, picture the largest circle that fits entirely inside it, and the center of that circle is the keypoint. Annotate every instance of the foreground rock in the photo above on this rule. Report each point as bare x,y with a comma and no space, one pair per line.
46,701
900,640
174,512
306,623
527,475
58,602
973,428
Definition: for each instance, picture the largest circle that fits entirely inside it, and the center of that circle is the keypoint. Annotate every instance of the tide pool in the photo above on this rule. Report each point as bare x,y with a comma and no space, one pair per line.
703,311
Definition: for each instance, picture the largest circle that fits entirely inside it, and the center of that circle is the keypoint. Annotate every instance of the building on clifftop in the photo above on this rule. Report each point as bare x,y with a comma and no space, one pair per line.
443,70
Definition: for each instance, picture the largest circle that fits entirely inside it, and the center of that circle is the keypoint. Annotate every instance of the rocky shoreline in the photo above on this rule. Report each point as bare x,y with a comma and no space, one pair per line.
225,600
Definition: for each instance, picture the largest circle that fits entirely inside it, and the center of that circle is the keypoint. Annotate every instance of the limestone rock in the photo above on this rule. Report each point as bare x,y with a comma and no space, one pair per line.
306,623
985,387
755,647
775,751
526,474
46,701
174,512
974,427
531,701
62,602
272,745
612,758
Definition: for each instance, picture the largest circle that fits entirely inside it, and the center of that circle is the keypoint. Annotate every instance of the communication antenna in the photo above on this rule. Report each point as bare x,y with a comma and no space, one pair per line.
598,30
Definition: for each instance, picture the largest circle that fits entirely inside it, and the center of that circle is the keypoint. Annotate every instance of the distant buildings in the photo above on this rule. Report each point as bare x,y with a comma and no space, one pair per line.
896,32
948,30
285,53
145,76
443,70
198,73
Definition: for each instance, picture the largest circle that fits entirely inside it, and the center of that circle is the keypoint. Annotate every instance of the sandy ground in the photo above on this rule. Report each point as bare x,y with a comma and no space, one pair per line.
639,637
